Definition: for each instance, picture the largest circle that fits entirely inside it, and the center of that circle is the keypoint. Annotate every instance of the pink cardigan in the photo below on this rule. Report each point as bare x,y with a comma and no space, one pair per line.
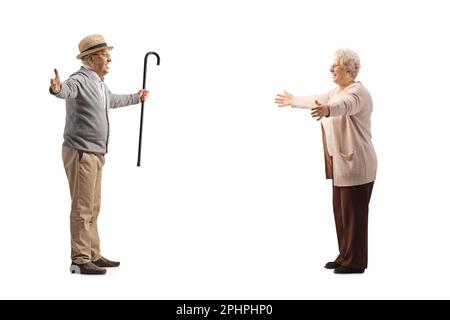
346,134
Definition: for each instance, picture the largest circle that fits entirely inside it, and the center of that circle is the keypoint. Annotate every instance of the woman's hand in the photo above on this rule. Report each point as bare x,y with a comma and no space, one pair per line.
283,99
320,111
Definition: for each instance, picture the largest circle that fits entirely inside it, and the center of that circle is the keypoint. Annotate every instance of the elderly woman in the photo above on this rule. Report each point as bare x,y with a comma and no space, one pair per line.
350,159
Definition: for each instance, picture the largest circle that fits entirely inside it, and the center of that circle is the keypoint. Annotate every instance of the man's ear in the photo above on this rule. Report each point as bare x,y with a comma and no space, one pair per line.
89,60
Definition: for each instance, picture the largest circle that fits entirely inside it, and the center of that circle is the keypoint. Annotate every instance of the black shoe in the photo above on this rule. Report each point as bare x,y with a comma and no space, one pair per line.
86,268
105,263
346,270
332,265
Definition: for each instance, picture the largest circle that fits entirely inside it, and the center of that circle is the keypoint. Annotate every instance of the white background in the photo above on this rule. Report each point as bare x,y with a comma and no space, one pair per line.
231,200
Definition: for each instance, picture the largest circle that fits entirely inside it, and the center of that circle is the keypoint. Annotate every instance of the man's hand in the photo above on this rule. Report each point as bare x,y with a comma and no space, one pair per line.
143,94
55,84
283,99
320,111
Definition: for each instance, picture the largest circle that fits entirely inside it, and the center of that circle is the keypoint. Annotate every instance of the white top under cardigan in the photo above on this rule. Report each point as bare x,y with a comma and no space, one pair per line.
347,133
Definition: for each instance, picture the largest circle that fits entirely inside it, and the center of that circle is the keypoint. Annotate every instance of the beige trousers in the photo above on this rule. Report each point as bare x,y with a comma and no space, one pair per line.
84,174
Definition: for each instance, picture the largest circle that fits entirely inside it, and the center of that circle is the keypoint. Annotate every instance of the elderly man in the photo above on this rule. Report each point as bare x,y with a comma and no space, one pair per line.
86,134
350,158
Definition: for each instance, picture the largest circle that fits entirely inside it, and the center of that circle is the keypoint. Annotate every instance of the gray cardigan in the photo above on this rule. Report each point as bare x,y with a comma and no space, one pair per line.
87,125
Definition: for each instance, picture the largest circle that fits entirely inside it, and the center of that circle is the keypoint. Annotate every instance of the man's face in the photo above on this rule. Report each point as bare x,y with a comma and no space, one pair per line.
100,61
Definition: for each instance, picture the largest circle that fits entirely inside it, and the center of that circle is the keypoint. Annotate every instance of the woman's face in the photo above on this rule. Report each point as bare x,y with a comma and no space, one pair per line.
338,72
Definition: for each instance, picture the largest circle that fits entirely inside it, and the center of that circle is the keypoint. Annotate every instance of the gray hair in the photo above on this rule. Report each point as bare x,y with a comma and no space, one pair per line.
349,59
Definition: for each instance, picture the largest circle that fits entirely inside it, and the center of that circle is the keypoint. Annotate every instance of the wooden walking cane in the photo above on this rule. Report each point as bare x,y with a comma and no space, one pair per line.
142,102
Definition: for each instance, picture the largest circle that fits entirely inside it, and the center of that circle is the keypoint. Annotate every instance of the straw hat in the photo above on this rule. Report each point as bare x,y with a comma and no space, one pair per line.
92,44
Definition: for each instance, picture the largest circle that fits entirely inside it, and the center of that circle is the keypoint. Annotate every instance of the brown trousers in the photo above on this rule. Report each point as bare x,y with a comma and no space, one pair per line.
84,174
351,215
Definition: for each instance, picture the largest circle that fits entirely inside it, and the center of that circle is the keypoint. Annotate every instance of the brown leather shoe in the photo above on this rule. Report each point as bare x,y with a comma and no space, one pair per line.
86,268
105,263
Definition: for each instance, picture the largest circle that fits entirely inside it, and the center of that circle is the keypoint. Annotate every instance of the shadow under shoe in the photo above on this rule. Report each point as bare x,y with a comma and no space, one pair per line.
346,270
105,263
332,265
86,268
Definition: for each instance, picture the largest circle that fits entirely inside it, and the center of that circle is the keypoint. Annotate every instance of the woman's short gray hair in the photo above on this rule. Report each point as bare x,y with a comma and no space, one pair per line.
349,59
